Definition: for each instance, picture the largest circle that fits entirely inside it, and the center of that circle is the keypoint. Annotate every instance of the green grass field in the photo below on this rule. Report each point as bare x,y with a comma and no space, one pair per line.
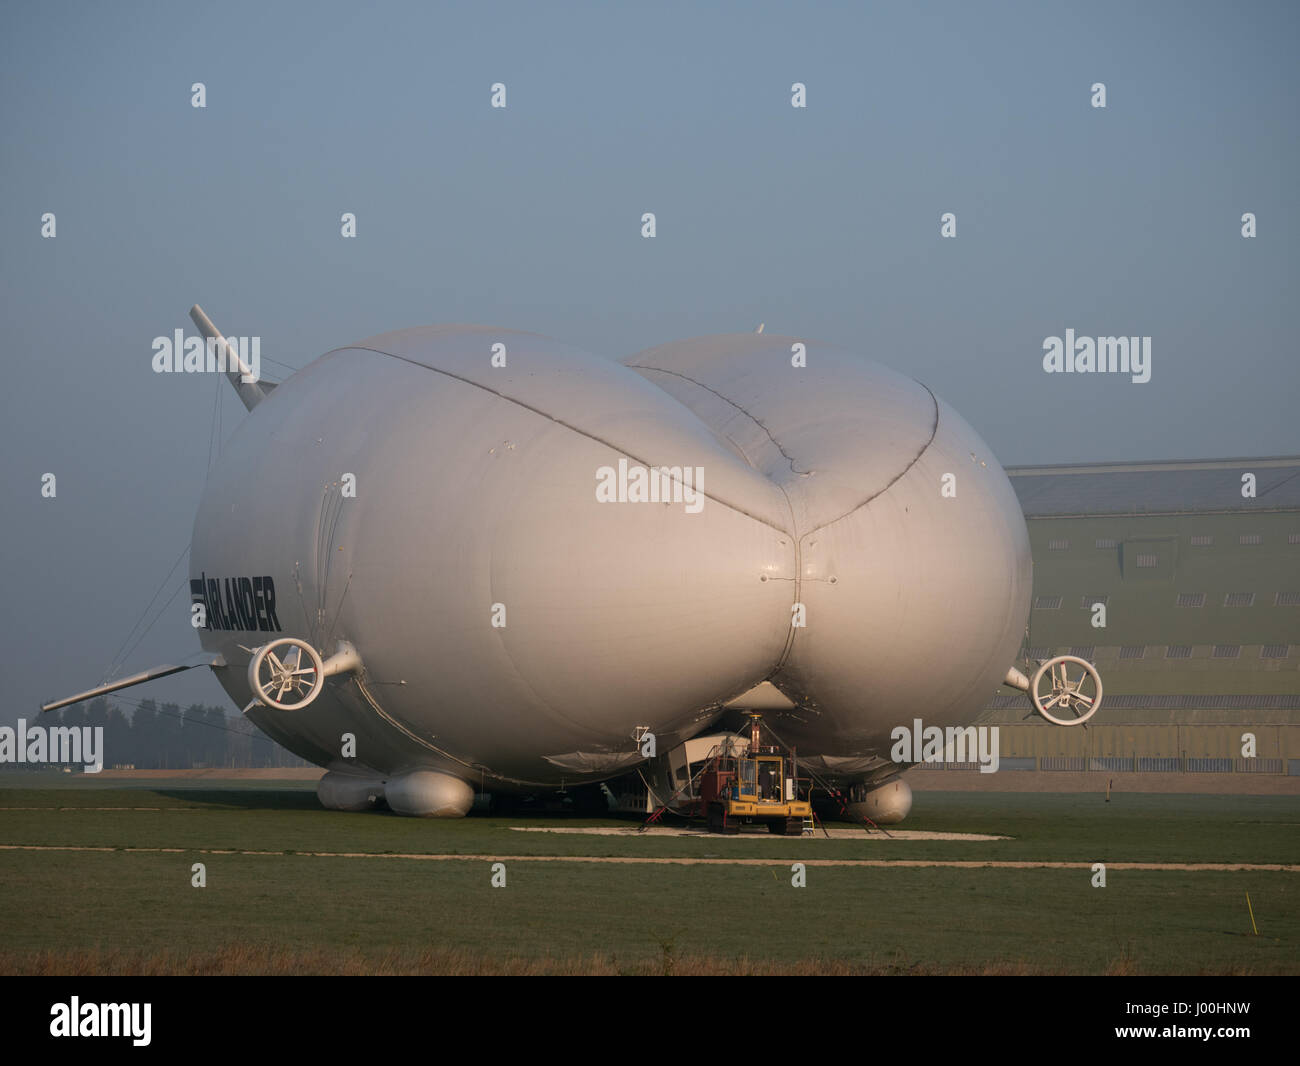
135,911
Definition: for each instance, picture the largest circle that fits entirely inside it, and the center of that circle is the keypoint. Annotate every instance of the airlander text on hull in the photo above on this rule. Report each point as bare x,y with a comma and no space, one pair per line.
246,604
1109,355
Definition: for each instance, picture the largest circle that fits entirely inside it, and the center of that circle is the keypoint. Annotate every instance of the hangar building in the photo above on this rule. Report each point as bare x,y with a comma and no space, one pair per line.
1196,568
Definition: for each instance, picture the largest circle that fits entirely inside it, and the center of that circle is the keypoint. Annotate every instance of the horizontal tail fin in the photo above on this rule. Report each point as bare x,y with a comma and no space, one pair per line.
197,659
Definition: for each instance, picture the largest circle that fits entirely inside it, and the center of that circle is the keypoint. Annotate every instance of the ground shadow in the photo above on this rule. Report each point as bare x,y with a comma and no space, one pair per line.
260,799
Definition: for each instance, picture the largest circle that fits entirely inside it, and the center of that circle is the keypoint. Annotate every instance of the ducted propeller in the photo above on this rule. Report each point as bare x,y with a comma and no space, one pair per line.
288,674
1080,697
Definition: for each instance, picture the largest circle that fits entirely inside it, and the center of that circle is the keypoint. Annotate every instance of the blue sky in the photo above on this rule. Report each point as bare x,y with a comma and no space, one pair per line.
822,222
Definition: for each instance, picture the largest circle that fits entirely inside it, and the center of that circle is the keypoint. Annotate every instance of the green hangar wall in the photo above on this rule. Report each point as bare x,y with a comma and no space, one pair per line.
1181,582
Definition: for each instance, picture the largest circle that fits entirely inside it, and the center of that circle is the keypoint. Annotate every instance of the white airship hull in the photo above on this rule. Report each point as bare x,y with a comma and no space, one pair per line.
518,627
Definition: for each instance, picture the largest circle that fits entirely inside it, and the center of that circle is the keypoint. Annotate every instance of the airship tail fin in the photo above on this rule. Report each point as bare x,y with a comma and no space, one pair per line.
198,659
243,377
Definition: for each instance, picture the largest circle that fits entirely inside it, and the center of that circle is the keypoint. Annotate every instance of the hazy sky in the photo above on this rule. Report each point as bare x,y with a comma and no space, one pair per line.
822,221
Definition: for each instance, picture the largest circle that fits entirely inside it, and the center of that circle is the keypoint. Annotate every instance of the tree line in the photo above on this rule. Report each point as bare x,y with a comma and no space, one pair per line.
165,737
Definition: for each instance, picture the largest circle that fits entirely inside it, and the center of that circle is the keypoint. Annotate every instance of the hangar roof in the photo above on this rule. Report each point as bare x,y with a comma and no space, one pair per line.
1202,486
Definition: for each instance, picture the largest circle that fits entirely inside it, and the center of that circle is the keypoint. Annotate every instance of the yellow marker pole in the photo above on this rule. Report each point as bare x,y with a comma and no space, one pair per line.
1252,914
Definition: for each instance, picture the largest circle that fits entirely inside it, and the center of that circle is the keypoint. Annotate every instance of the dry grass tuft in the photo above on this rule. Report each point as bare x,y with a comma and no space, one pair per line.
270,960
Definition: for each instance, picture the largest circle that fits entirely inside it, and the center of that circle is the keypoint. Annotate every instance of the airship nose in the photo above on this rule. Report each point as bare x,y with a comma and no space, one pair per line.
911,545
930,574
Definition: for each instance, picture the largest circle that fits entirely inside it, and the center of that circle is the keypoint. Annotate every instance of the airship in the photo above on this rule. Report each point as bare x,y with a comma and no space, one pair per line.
458,560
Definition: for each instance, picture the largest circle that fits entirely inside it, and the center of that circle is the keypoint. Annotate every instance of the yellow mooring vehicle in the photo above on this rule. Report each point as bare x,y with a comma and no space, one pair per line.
760,784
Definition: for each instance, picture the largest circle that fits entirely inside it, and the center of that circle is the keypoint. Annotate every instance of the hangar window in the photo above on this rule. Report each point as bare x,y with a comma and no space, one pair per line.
1239,599
1178,651
1202,542
1191,599
1106,542
1058,545
1287,599
1048,603
1227,651
1293,538
1249,538
1274,651
1086,602
1147,561
1133,651
1084,651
